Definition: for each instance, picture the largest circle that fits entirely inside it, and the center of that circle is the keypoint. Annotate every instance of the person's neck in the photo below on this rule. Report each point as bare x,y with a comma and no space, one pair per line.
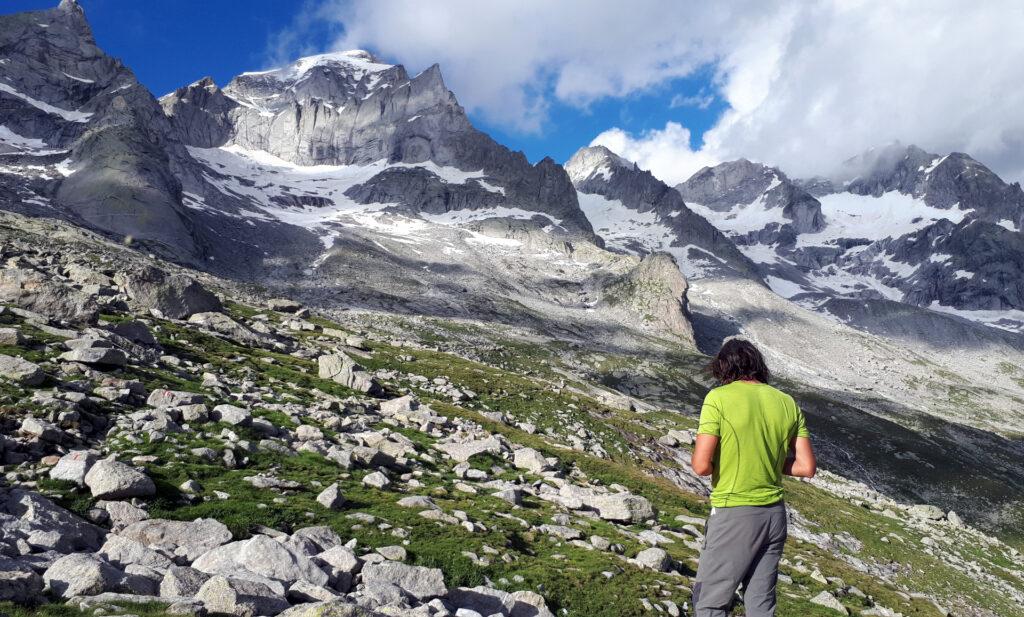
748,381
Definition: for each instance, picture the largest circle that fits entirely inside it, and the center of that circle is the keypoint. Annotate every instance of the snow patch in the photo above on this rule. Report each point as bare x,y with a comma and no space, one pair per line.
891,215
71,116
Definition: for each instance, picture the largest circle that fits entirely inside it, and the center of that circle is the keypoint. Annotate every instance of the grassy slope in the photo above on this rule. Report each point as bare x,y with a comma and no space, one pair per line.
569,577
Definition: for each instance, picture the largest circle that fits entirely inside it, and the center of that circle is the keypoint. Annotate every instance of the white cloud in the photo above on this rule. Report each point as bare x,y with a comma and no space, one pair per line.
807,84
666,153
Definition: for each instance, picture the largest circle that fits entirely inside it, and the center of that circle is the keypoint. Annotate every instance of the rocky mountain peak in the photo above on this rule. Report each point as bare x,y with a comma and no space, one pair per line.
592,160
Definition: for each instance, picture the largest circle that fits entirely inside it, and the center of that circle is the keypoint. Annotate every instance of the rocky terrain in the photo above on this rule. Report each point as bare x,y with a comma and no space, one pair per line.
312,344
170,450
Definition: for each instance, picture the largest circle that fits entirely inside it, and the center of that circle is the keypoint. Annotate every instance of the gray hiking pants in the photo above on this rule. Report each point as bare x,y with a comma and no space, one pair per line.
742,544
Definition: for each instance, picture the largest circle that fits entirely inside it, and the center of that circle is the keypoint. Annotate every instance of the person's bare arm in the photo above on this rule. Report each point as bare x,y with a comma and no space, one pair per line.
801,462
703,453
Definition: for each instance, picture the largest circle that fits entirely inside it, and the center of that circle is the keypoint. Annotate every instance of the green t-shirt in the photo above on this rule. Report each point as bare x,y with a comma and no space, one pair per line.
755,424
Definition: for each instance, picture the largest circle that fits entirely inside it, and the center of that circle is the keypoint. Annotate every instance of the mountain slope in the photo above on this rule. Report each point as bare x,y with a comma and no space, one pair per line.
902,224
635,212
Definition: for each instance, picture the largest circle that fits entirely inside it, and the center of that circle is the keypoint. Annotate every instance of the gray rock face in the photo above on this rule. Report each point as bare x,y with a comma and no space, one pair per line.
174,296
106,124
598,171
263,556
19,583
419,582
244,598
32,290
348,108
623,508
45,525
654,292
344,370
189,539
73,466
108,479
741,182
80,574
180,581
21,371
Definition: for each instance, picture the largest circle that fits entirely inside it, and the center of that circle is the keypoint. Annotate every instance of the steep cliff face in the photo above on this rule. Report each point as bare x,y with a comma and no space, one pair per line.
111,159
348,108
635,212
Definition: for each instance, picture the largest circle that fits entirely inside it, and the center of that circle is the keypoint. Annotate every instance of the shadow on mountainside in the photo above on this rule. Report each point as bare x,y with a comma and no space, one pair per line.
974,472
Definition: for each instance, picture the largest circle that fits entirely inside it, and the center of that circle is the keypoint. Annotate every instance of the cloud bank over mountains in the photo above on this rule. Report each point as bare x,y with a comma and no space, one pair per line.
807,84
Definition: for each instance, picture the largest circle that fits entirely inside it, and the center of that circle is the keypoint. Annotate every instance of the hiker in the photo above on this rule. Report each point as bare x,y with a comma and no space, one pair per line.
750,434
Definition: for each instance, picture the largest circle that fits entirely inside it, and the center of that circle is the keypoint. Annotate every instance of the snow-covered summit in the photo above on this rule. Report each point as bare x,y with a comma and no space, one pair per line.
594,160
357,61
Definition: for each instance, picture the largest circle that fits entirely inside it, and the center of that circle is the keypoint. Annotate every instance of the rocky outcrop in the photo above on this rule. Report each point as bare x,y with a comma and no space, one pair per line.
654,292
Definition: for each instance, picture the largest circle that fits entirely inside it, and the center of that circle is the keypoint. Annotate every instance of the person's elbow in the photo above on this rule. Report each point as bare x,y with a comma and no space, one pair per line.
701,468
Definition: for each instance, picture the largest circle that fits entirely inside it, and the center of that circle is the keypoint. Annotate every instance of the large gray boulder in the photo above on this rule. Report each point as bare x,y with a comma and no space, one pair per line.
73,466
21,371
81,574
622,508
416,581
187,539
175,296
182,581
263,556
109,479
240,597
231,329
46,526
344,370
19,583
332,608
38,292
123,552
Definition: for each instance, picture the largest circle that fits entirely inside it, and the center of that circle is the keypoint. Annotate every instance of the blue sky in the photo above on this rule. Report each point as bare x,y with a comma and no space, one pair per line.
170,43
798,84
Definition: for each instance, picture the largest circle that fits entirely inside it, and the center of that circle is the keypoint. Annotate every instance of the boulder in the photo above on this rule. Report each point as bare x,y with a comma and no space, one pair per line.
47,526
109,479
654,558
332,608
826,599
402,404
530,460
622,507
188,539
927,512
487,601
173,398
135,331
342,369
181,581
123,552
81,574
122,514
264,556
73,466
244,598
21,371
235,416
416,581
38,292
376,480
98,356
231,329
331,497
174,296
19,583
41,429
463,451
11,337
283,305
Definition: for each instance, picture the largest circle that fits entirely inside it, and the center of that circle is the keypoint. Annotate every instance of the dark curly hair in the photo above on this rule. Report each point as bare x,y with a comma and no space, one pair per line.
739,359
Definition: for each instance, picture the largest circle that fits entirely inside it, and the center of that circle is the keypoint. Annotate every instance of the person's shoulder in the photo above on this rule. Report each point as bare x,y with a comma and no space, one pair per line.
785,397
